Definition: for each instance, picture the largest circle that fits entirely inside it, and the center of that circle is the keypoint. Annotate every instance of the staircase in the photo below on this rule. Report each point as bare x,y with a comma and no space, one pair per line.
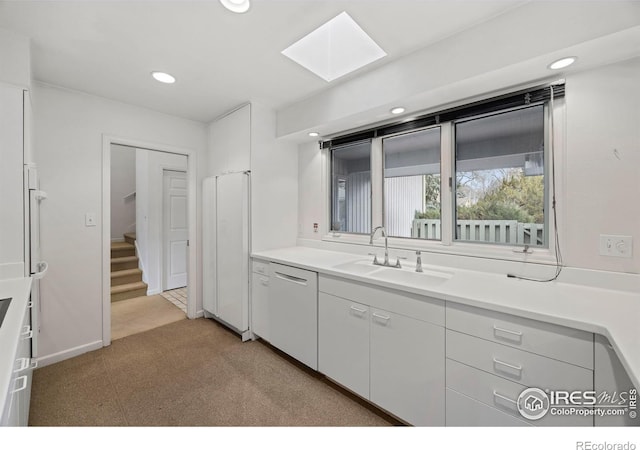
126,277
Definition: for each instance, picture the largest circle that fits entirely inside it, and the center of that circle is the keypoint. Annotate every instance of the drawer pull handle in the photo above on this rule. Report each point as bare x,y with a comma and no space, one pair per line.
380,316
503,397
27,332
511,366
358,310
504,330
291,278
23,364
23,380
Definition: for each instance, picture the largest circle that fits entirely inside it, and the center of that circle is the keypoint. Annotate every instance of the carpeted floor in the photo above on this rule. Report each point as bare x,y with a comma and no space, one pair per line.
188,373
139,314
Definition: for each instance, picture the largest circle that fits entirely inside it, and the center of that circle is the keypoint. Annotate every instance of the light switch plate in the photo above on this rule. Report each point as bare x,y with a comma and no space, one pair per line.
90,220
618,246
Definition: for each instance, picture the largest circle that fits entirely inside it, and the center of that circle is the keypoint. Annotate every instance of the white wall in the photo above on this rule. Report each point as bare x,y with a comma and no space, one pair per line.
312,204
123,183
149,219
602,189
601,192
245,139
274,184
15,54
69,128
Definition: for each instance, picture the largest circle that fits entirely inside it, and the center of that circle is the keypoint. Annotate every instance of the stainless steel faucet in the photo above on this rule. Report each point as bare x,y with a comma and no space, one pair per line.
386,245
386,250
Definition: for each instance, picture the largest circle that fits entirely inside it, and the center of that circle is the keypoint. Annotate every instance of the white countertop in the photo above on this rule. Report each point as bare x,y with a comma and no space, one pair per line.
18,289
611,313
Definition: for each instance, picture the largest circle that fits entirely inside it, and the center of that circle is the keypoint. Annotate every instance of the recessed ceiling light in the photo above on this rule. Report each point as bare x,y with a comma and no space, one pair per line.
314,134
237,6
397,110
336,48
562,63
163,77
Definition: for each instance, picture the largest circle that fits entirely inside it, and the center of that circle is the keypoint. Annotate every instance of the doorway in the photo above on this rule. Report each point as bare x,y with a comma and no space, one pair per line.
156,237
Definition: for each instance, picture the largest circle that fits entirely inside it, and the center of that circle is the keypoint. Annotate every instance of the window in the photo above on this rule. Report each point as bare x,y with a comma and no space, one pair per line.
412,184
499,174
474,174
351,188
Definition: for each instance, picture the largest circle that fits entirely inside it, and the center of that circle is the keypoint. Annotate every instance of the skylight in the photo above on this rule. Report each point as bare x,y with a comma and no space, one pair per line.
335,49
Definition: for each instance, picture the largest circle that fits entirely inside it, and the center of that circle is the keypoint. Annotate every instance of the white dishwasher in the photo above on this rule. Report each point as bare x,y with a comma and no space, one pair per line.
293,312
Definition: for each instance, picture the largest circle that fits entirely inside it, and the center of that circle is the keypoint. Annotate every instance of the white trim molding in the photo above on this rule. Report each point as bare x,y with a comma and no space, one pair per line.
192,277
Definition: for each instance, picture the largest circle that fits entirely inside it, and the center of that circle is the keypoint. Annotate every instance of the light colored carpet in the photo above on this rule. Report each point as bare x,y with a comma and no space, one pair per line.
139,314
187,373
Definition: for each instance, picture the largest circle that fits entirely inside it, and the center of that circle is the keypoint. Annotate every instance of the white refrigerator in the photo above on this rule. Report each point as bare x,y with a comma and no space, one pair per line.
226,243
35,267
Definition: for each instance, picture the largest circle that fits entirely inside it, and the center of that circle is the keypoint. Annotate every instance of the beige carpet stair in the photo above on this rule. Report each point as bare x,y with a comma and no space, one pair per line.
126,277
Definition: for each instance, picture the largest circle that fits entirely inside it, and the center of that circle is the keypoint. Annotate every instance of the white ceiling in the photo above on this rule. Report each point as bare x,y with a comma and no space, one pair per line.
220,59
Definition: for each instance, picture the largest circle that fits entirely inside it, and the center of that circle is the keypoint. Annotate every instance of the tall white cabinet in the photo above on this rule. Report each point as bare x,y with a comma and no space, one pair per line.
244,140
11,181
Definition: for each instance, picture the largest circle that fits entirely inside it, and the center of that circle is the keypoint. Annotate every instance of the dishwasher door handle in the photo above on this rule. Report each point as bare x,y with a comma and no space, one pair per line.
291,278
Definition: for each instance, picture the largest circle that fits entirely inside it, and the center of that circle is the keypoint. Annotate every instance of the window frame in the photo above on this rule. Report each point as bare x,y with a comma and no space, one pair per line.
442,153
448,244
546,168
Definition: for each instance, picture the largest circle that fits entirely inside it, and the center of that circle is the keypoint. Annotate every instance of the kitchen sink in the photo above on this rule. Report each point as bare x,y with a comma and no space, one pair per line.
360,267
411,277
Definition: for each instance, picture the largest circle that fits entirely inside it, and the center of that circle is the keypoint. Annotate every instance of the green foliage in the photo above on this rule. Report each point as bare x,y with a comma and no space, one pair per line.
514,197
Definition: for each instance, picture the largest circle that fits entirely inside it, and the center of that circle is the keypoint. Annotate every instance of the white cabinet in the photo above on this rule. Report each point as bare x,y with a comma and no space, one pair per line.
18,395
407,368
343,342
493,357
389,358
293,312
260,299
11,182
610,377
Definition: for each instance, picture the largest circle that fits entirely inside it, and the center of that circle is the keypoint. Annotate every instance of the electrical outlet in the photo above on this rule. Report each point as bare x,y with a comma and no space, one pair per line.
618,246
90,220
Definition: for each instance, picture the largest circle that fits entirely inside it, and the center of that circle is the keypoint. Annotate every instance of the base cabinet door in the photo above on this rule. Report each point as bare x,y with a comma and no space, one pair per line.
260,305
611,378
343,342
407,368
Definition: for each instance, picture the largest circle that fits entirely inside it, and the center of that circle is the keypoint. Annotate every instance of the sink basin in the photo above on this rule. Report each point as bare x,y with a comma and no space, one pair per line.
411,277
360,267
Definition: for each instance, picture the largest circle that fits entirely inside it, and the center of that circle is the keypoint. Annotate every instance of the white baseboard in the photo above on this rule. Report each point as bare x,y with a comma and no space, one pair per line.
199,314
153,291
70,353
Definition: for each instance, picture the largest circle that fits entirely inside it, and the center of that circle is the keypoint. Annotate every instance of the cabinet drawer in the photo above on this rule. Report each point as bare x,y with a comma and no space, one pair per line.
561,343
501,394
517,365
261,267
411,305
463,411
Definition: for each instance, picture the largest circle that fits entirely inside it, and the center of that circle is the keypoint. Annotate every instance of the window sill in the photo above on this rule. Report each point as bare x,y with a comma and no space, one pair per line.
487,251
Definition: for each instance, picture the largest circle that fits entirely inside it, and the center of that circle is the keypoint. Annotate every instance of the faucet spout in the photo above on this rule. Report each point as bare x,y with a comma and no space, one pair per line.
386,243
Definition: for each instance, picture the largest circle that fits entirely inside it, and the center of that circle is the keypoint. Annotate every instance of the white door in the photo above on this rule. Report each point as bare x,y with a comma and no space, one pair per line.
174,211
